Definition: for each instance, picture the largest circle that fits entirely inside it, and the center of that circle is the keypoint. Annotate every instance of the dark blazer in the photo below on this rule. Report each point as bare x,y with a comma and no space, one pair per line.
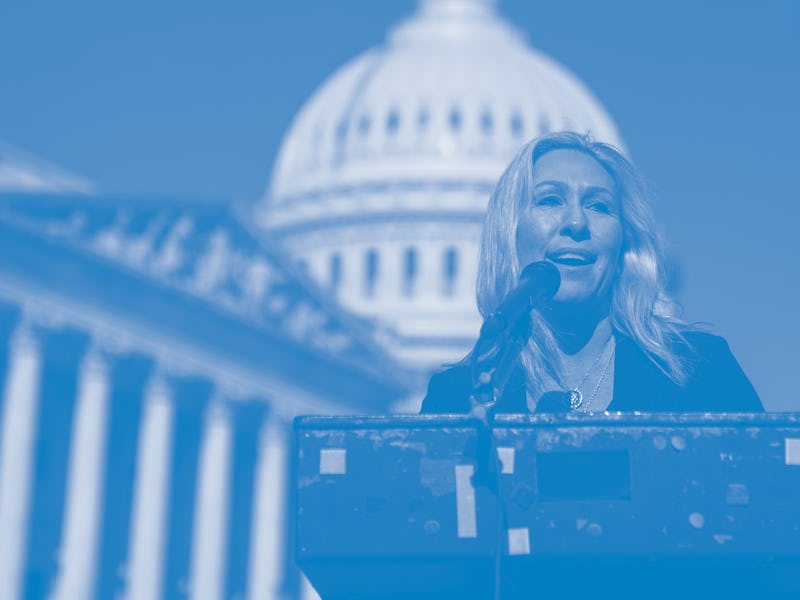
716,384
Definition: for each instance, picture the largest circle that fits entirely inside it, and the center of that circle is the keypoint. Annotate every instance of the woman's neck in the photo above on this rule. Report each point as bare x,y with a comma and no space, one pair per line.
577,328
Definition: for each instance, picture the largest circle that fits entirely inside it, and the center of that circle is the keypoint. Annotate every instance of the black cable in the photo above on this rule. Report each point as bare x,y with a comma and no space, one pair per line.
491,369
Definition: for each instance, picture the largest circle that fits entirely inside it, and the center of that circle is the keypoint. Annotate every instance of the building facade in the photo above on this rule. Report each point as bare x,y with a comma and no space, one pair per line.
154,355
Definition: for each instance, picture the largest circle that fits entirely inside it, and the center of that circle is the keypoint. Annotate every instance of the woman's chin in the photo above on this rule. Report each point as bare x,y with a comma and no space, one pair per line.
569,298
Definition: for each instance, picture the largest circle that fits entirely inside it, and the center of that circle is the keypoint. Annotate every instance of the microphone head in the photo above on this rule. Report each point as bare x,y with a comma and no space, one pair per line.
544,275
538,282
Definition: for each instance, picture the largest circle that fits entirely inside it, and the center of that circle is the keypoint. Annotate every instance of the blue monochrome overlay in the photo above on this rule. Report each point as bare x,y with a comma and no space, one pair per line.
363,300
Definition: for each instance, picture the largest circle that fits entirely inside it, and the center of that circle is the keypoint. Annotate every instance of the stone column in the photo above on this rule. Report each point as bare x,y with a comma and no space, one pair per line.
267,549
209,537
17,444
80,527
307,591
151,492
429,280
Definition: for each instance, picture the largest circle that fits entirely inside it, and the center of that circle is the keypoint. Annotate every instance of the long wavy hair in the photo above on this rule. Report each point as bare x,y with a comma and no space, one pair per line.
640,305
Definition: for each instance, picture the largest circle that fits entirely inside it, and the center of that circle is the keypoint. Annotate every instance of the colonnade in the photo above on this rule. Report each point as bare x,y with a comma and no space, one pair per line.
121,478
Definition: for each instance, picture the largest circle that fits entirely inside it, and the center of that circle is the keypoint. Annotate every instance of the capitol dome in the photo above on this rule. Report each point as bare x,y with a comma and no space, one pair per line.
382,180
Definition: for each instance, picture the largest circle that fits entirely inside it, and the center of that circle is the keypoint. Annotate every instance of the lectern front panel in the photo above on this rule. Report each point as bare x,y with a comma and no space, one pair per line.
401,506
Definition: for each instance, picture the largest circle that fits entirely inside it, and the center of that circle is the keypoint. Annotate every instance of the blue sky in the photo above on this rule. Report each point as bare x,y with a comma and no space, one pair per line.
190,99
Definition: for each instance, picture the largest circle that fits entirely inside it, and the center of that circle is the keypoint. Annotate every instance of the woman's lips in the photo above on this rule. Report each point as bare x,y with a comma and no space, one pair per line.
572,258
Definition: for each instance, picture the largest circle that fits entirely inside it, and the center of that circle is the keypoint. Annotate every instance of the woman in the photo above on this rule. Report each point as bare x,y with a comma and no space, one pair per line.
610,338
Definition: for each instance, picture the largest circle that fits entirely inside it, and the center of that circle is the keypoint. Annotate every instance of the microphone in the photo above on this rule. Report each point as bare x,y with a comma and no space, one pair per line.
492,360
538,282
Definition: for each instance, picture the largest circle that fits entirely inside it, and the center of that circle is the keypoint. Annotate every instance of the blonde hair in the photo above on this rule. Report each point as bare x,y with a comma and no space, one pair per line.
640,306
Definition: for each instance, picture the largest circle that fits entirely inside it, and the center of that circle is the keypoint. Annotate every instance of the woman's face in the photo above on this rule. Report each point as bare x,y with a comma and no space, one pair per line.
572,219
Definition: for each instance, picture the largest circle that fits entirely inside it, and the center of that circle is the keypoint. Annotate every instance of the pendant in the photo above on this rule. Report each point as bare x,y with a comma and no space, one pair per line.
575,399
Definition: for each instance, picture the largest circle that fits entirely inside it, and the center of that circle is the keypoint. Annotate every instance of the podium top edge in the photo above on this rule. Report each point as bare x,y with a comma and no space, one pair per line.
641,419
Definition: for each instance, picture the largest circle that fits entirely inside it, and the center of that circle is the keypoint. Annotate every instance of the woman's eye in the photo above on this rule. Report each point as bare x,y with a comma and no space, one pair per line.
599,206
548,201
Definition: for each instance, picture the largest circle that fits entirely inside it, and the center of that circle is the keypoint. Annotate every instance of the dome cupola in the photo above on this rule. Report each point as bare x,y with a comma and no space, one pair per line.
382,180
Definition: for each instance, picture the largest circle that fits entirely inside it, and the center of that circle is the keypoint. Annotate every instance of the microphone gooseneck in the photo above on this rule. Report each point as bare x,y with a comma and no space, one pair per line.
502,338
505,333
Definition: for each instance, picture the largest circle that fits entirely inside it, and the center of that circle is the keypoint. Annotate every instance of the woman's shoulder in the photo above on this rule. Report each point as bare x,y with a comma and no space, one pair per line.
714,381
714,373
704,342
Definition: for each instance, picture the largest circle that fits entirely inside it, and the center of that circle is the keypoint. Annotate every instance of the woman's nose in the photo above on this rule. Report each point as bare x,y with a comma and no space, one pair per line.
575,224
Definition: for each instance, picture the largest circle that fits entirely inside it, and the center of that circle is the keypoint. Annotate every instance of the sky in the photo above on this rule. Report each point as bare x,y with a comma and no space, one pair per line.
191,100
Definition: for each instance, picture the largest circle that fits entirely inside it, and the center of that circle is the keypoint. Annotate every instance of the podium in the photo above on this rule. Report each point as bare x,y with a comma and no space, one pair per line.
586,506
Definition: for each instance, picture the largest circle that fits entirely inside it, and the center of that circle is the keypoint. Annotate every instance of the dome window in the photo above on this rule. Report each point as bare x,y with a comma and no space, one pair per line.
335,271
517,126
364,125
409,271
370,272
450,271
455,120
392,122
487,123
422,119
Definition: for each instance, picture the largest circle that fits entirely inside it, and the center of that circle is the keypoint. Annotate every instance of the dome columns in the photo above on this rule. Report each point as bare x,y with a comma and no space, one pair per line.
412,278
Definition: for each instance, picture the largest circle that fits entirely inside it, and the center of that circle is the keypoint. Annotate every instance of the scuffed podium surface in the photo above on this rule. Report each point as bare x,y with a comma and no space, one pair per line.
608,505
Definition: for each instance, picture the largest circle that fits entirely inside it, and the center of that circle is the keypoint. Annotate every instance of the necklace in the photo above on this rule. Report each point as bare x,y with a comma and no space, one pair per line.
574,395
613,345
